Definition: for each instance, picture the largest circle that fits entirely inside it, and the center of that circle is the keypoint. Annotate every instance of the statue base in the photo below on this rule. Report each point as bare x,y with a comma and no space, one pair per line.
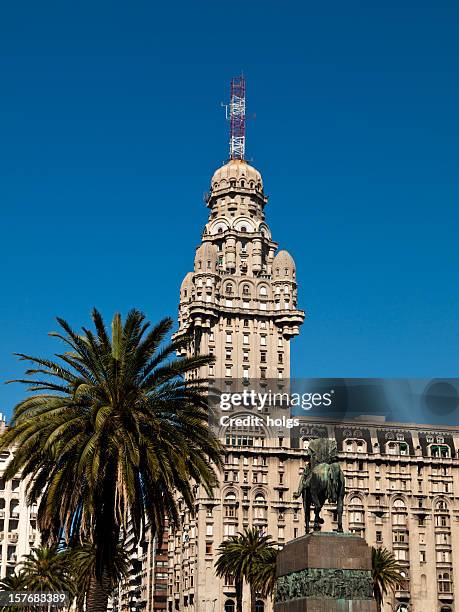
324,572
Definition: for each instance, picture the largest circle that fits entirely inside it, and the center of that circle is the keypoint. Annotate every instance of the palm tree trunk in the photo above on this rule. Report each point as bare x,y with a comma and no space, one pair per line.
239,587
98,592
253,599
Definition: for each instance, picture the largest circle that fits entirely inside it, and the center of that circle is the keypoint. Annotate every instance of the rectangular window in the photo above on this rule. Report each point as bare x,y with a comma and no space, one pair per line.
229,338
209,530
245,339
208,548
263,340
230,530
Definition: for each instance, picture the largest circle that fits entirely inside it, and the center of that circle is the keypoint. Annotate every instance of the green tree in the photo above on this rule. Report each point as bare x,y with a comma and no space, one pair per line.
248,556
46,568
82,560
263,577
109,434
385,573
13,582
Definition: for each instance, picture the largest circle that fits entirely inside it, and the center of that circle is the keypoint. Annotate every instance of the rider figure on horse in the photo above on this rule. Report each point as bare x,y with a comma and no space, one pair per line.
322,479
321,450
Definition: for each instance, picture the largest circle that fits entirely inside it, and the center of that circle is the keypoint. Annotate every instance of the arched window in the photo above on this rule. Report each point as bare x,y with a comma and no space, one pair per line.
243,228
440,450
259,511
229,289
403,585
259,606
242,183
444,582
423,585
397,448
441,505
399,512
356,514
355,445
263,290
230,497
229,605
245,290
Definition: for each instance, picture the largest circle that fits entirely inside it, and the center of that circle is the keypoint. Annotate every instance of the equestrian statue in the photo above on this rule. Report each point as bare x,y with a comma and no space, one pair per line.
322,480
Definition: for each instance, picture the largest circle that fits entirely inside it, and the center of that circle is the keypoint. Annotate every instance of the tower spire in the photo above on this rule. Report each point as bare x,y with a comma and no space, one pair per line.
237,118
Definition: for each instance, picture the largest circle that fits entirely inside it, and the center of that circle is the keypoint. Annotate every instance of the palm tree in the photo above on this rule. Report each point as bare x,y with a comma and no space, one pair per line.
83,567
46,568
111,433
13,582
247,556
263,576
386,574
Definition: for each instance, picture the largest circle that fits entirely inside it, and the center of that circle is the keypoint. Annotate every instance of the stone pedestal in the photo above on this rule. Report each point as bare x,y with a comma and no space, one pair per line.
325,572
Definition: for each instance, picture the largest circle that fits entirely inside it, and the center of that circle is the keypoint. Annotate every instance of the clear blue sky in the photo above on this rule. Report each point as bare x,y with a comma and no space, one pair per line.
110,128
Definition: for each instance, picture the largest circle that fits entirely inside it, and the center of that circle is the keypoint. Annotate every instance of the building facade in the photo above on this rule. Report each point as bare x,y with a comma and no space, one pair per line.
145,587
18,521
239,303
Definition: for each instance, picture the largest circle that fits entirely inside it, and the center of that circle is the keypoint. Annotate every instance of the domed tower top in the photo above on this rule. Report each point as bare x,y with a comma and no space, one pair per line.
205,260
238,174
283,265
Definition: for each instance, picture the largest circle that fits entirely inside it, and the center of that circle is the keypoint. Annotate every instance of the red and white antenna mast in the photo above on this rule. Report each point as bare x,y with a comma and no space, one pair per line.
237,118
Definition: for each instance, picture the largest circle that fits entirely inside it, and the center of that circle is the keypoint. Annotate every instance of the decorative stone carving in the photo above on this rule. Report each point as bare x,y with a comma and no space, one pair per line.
324,583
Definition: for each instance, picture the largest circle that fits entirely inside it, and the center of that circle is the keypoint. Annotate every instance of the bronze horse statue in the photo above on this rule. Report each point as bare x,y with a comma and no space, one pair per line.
322,480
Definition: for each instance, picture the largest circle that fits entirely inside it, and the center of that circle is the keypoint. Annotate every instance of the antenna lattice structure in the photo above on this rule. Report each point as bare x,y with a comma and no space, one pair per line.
237,118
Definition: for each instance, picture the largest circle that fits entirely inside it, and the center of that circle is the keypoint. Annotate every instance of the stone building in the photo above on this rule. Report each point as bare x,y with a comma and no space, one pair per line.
239,303
18,521
145,587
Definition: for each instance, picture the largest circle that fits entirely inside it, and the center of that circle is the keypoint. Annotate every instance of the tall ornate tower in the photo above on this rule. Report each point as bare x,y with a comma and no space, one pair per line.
240,301
240,304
